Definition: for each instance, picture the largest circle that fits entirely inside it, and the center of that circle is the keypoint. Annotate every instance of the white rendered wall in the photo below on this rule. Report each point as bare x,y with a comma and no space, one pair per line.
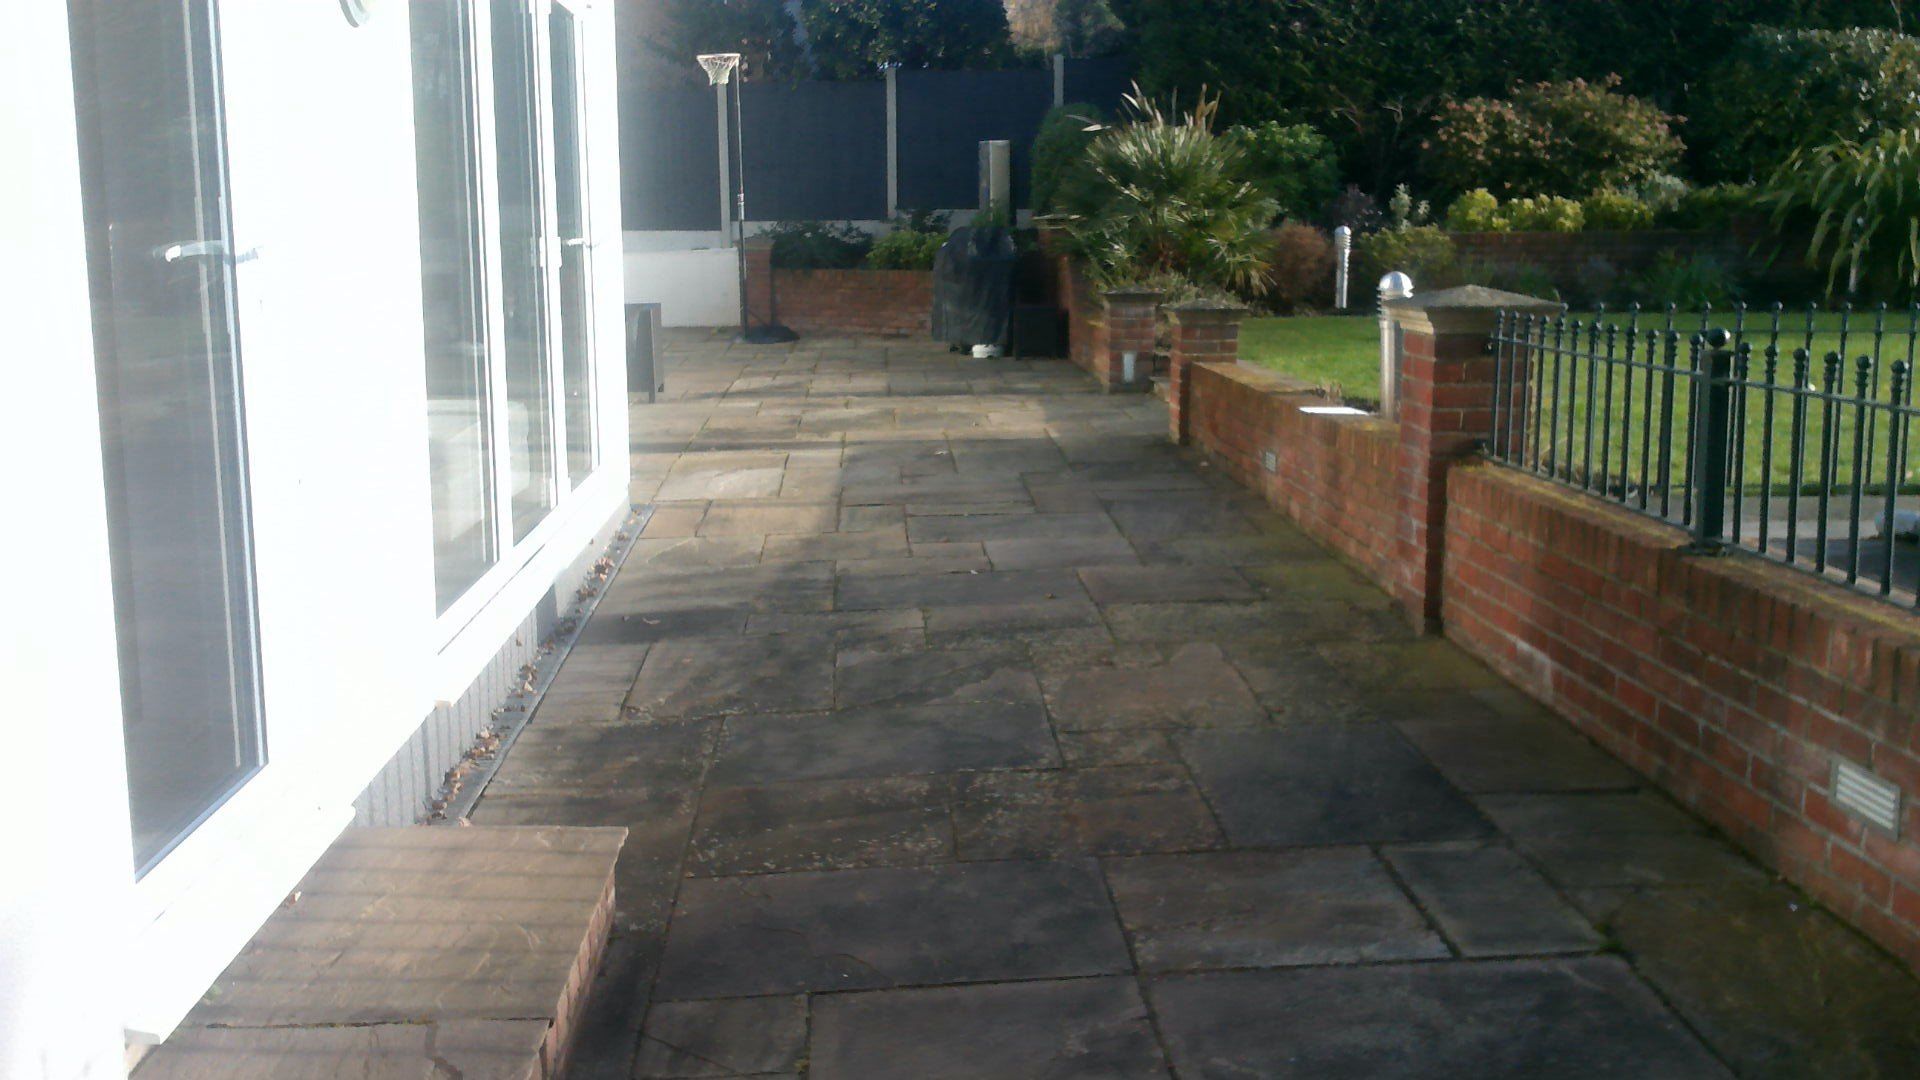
353,656
696,287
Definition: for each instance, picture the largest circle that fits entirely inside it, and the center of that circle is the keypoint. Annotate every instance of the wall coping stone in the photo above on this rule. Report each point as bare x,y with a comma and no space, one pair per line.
1465,309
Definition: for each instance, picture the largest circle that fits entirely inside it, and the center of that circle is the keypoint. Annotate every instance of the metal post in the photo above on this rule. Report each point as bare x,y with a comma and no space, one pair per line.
1710,445
1342,253
726,164
893,141
1395,286
1059,79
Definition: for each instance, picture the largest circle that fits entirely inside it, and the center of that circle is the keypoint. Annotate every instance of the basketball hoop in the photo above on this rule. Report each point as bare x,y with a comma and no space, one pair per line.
719,66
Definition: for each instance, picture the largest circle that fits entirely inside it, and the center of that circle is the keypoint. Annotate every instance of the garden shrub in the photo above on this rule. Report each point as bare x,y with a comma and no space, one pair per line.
1355,209
1165,195
1523,278
1475,211
818,245
1714,207
1301,275
905,249
1059,151
1558,138
1619,210
1424,253
1689,282
1863,200
1778,91
1292,163
1543,213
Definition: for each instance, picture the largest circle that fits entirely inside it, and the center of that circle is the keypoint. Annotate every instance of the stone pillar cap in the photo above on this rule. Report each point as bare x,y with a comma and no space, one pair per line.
1132,292
1204,310
1464,309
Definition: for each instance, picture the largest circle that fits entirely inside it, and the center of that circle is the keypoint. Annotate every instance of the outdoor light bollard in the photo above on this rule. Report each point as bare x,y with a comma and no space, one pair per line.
1394,286
1125,337
1710,449
1342,258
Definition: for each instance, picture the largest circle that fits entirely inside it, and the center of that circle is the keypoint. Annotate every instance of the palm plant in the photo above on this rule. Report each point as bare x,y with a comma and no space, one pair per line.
1165,197
1864,199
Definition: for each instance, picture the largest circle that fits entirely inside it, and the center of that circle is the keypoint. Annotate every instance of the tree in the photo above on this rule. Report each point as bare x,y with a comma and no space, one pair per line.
856,39
761,31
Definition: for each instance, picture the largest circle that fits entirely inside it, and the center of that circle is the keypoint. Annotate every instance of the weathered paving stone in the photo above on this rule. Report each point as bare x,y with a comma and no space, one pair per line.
1238,549
1193,687
1015,623
780,587
1108,811
1587,814
612,627
691,552
471,1048
1426,664
714,475
1588,861
1164,584
935,677
1507,754
786,672
990,527
1089,749
761,518
1169,515
1032,554
1489,902
1292,681
1344,784
936,590
847,629
1237,620
614,758
872,544
1774,983
1575,1019
872,929
684,1040
1079,1029
885,741
822,825
1266,909
1316,579
670,521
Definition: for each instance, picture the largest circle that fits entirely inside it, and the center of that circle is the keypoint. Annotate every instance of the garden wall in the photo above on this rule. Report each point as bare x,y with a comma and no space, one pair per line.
1585,262
888,303
1735,684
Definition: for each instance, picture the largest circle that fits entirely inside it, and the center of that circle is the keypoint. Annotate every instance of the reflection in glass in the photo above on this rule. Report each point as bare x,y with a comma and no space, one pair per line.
569,195
522,276
458,421
160,266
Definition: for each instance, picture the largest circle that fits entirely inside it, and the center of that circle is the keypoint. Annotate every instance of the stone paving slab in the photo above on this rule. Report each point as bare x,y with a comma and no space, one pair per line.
1009,712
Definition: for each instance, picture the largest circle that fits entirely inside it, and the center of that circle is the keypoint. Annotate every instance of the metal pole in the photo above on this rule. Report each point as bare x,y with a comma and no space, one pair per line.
740,212
1059,79
893,141
1394,286
726,164
1343,251
1710,445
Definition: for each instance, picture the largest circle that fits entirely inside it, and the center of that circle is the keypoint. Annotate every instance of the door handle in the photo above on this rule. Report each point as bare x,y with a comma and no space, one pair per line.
190,249
579,242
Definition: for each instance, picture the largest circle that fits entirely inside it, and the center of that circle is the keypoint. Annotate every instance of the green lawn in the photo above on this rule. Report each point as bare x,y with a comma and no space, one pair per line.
1341,354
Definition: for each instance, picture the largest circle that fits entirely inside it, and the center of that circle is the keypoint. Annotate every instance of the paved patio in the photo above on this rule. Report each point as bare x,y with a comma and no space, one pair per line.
964,728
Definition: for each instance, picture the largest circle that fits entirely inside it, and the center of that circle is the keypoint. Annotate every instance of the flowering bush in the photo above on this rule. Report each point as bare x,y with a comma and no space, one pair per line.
1543,213
1613,209
1423,252
1564,138
1476,211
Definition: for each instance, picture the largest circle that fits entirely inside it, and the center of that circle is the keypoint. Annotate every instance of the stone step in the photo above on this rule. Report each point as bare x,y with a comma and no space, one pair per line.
414,952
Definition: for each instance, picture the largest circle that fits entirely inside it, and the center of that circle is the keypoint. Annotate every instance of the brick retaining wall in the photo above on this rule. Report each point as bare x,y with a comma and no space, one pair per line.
892,303
1734,683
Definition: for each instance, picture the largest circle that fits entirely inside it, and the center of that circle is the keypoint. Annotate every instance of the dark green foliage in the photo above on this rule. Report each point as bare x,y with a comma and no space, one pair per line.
1688,282
1166,198
818,245
1073,27
1424,253
855,39
1562,138
1863,199
1716,206
761,31
905,249
1781,90
1294,164
1059,151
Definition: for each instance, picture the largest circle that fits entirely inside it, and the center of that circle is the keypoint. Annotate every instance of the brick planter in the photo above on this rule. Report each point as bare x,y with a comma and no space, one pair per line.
888,303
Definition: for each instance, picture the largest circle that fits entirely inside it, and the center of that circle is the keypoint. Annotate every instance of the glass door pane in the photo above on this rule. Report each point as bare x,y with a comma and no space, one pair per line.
523,262
459,412
576,247
160,261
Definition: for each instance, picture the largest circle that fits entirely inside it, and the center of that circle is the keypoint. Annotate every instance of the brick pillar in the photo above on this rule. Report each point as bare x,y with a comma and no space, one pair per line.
1203,331
759,259
1446,388
1129,328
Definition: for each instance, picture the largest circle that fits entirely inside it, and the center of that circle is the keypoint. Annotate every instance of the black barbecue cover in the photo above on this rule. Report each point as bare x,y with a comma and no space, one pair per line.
973,287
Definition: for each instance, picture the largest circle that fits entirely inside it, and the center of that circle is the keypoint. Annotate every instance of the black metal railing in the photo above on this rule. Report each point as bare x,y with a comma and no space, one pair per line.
1751,430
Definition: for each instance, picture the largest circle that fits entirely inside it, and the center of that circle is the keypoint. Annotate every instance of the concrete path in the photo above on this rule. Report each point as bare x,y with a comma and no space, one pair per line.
966,729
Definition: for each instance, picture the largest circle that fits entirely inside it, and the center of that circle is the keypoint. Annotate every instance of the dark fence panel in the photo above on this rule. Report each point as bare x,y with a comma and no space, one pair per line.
1103,81
945,115
815,150
669,158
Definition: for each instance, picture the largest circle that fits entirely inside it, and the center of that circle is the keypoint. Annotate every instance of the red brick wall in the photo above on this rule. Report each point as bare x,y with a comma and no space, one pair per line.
1334,475
895,303
1731,682
1565,257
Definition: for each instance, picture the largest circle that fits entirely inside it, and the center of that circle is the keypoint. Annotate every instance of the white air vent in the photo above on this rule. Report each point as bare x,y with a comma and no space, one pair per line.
1269,461
1866,796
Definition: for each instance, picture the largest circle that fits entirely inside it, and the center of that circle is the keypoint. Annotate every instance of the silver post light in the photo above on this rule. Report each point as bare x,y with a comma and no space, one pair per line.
1342,254
1395,286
